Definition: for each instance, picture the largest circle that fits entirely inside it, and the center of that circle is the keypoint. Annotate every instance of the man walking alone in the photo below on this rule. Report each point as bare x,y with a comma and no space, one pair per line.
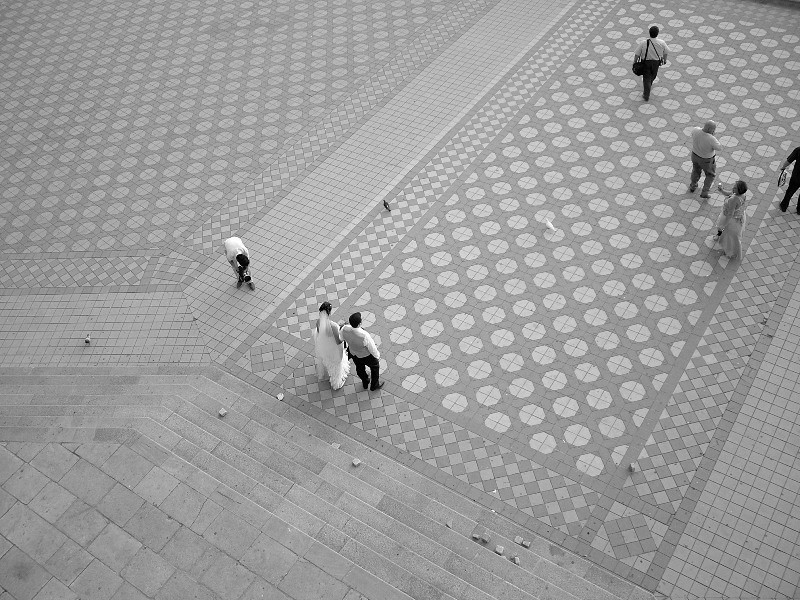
704,157
652,52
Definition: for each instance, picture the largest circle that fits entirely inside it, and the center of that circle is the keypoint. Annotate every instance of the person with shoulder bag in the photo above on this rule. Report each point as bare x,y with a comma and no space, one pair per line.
649,56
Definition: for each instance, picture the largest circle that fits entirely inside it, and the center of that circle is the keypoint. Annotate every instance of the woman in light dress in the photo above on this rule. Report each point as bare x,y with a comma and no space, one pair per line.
732,219
330,356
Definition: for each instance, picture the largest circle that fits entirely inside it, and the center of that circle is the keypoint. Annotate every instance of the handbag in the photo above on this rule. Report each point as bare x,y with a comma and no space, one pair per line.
638,65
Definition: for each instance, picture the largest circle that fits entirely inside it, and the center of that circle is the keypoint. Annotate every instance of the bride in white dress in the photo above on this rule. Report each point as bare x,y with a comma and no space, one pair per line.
330,357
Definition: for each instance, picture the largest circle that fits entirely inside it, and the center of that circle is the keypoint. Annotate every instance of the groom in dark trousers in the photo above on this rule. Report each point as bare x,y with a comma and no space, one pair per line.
361,348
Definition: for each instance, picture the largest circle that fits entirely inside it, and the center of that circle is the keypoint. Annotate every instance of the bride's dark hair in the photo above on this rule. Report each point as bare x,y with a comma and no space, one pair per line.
326,306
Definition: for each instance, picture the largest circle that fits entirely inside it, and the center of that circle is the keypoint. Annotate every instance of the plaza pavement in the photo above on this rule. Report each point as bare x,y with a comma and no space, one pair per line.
526,368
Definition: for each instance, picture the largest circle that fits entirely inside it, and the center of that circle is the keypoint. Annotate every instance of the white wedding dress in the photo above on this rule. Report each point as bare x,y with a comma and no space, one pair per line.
330,357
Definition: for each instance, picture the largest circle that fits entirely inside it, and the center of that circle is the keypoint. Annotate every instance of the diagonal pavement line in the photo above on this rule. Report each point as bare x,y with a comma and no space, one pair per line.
496,112
293,223
335,128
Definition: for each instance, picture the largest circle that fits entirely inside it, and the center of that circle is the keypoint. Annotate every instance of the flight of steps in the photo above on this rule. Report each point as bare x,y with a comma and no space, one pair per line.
275,466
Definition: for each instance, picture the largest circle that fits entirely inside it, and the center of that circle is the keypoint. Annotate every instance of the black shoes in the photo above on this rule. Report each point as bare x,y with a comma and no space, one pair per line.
377,387
366,383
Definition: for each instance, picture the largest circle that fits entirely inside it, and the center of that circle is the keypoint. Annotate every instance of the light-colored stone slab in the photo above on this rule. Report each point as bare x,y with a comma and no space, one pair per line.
21,575
25,483
148,572
115,547
96,582
52,502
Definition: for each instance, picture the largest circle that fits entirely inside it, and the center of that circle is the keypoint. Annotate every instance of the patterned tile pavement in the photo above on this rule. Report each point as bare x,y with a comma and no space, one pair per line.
148,117
530,365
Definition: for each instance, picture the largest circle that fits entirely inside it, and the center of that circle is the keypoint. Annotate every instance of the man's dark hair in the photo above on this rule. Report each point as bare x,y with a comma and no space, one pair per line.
355,320
654,31
326,306
243,260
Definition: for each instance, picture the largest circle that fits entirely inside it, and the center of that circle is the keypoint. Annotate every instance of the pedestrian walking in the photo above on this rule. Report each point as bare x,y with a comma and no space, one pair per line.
239,259
704,157
651,53
362,349
794,180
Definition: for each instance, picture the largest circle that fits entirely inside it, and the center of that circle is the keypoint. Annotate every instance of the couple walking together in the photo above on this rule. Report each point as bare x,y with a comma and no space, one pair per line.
332,358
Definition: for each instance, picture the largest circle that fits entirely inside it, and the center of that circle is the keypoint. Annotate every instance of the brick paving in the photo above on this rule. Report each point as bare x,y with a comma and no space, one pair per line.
527,367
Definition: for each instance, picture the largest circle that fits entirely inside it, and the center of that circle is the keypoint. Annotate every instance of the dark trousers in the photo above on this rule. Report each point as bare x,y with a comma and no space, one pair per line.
648,76
794,185
361,369
703,165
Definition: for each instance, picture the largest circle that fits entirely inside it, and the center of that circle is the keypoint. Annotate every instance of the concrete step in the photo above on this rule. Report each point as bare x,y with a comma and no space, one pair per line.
381,515
295,496
367,495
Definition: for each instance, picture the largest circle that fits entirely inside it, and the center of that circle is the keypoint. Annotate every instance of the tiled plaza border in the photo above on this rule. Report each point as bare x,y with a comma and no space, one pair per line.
92,289
732,403
621,496
593,574
572,576
446,164
185,264
303,152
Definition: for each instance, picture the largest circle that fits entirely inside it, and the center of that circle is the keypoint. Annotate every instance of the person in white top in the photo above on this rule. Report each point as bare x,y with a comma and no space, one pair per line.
239,259
652,52
330,358
362,349
704,156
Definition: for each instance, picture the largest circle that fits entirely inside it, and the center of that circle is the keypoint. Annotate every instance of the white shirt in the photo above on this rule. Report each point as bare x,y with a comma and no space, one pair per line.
234,247
704,144
359,342
658,49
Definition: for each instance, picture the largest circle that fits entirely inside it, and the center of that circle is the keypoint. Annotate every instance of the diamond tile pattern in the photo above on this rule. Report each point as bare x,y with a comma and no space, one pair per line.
72,272
549,302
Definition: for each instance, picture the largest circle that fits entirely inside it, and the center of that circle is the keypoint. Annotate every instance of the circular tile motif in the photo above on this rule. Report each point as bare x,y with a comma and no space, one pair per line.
594,311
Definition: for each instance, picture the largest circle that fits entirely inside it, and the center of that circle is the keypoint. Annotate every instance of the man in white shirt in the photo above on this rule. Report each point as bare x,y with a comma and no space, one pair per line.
704,156
653,52
239,259
362,349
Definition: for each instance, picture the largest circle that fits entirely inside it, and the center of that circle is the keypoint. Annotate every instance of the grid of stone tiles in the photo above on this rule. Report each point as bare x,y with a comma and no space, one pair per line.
735,533
126,325
382,496
128,520
37,271
125,125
